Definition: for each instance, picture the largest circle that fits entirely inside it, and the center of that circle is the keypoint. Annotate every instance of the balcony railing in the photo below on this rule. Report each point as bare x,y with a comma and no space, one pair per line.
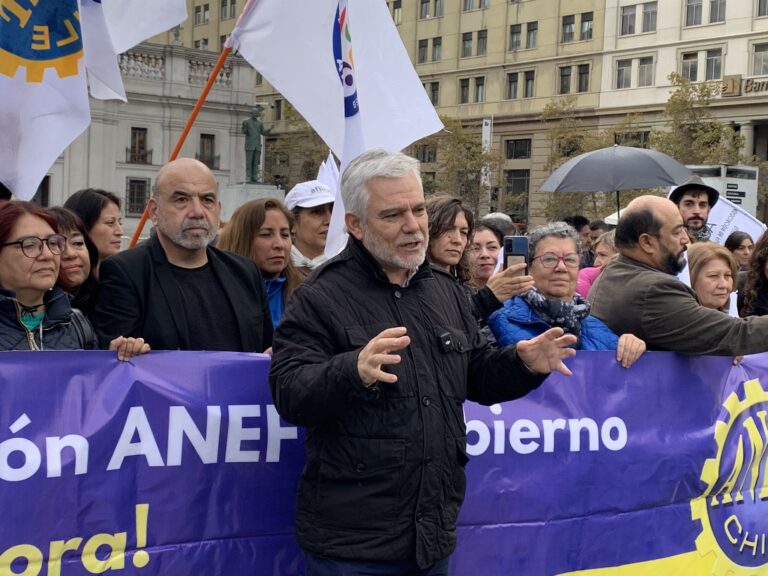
209,160
138,156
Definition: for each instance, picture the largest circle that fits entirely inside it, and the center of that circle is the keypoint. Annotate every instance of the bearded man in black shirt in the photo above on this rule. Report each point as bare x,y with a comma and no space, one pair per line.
177,291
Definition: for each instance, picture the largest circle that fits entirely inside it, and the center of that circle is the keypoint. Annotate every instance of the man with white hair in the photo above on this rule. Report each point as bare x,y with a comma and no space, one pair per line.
375,357
175,290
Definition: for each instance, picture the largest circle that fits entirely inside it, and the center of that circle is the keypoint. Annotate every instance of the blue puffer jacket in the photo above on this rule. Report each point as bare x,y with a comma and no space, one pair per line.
516,321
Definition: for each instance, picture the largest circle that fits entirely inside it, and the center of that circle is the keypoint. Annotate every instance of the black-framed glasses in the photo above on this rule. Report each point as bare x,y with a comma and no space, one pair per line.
551,260
32,246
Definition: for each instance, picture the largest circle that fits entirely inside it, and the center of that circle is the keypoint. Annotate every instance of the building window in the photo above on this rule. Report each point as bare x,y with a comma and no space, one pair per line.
138,153
466,44
259,79
480,89
645,71
278,105
565,80
437,49
693,12
583,78
438,8
530,77
206,13
532,32
467,5
717,11
627,20
422,54
397,11
623,74
207,154
424,9
568,24
586,26
464,91
203,43
690,67
484,4
714,64
760,60
232,8
222,41
762,8
649,16
639,139
517,181
518,149
434,93
196,44
515,33
425,153
224,11
198,15
512,86
482,42
137,195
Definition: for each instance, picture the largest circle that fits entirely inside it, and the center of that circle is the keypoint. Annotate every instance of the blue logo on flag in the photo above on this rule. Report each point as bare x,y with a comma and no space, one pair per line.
342,54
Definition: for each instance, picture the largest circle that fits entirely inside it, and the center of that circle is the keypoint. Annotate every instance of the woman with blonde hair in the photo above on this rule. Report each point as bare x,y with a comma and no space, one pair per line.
261,230
713,271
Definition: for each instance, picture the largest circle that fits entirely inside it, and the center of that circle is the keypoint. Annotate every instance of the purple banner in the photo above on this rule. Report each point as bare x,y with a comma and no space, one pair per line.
177,463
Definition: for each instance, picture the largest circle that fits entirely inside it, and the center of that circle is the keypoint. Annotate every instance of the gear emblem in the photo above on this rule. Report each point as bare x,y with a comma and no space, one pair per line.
38,35
733,510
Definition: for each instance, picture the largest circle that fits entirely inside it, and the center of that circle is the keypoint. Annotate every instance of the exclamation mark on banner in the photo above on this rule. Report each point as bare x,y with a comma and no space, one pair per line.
141,557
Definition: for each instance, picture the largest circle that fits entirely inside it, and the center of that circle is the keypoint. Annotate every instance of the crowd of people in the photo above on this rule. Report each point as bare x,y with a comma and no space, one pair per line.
375,350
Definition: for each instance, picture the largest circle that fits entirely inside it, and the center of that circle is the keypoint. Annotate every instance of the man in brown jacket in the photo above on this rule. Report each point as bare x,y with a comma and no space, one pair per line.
639,292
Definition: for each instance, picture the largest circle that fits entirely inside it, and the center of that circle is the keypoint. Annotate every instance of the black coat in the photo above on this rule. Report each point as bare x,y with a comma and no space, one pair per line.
58,329
384,473
140,297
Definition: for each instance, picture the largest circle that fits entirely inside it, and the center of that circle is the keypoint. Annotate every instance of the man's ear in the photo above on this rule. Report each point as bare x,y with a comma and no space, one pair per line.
646,243
152,209
352,222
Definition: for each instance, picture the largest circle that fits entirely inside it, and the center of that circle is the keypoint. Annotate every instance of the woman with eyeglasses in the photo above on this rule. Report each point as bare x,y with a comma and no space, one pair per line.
35,313
554,264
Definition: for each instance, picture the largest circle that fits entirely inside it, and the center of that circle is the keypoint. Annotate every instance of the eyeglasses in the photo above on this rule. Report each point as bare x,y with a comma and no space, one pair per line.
551,260
32,246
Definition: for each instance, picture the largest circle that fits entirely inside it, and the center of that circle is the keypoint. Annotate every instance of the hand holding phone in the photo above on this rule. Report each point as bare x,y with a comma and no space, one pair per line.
516,252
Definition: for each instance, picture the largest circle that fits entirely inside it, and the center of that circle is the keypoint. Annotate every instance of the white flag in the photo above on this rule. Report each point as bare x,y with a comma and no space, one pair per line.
303,48
43,70
343,66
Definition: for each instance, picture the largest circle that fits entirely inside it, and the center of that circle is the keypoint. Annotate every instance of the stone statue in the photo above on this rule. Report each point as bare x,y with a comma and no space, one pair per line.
253,130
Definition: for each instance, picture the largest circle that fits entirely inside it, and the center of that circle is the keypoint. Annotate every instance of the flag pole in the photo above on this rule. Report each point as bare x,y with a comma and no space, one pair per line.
190,121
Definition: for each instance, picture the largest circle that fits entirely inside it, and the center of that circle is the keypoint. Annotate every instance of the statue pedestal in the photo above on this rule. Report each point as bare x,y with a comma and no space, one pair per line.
234,195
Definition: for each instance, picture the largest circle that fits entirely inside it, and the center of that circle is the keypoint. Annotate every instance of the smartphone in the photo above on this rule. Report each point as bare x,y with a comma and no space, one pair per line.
516,252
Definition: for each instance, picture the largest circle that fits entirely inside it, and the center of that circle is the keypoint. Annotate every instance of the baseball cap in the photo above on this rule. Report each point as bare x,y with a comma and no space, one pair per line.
308,195
694,183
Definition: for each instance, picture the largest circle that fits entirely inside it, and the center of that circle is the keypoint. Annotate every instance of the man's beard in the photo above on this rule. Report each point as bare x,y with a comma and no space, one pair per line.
177,236
673,264
380,250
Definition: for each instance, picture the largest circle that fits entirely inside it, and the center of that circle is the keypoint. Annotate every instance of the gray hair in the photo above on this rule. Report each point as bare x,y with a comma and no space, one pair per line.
556,229
376,163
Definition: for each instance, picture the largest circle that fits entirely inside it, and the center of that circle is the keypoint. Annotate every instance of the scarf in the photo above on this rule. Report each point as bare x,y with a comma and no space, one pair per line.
301,261
556,312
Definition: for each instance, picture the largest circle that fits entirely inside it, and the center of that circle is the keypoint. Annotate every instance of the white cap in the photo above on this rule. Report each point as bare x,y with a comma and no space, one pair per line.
308,195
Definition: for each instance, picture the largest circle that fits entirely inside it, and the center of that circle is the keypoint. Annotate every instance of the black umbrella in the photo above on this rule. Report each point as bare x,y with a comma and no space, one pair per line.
616,168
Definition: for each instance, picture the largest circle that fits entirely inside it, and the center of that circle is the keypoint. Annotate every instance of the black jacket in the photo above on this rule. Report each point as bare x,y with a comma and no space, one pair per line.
384,473
140,297
58,330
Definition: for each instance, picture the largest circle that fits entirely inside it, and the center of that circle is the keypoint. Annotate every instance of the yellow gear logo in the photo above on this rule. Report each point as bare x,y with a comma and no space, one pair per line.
38,35
733,510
